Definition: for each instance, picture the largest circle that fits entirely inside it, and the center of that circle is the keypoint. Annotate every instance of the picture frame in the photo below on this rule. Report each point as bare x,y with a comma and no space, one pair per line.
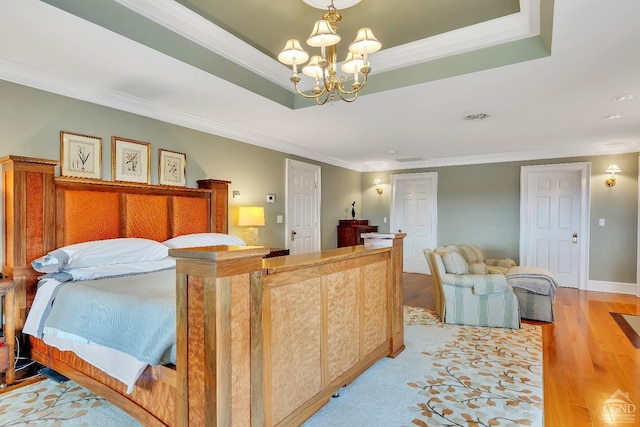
80,155
172,168
130,160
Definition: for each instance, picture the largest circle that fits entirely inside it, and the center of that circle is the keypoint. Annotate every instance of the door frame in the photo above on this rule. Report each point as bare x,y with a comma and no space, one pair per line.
317,170
584,168
432,178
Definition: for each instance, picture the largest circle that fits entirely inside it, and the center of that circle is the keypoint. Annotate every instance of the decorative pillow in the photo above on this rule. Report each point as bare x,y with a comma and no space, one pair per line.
101,252
454,263
470,253
478,268
204,239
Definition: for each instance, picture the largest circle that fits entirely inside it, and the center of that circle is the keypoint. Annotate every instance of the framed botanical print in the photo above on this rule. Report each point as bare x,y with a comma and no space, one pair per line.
173,168
130,160
80,155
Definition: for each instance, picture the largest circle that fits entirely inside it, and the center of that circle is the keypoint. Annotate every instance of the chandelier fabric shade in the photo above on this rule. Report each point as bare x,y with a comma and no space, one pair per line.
323,35
293,54
323,67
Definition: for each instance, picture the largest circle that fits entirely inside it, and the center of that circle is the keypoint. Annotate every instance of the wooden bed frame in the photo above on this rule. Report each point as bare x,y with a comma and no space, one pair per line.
43,212
250,331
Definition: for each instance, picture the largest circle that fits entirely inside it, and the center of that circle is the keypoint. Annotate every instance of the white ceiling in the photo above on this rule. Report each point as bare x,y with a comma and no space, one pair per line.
543,108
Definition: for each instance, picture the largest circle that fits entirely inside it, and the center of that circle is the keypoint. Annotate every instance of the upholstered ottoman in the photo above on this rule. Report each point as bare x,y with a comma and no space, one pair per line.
535,289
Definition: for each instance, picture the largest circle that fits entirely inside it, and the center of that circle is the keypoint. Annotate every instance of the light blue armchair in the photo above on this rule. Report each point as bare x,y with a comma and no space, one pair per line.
467,298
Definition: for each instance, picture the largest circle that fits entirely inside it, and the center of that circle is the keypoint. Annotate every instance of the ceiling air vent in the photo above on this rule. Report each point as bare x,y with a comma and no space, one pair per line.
410,159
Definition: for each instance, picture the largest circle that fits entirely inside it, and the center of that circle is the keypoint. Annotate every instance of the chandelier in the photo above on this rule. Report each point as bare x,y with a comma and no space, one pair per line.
323,67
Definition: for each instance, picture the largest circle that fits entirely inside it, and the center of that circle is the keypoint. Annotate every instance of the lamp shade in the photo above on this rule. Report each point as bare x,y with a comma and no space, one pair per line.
322,35
292,53
250,216
365,42
613,168
313,68
353,63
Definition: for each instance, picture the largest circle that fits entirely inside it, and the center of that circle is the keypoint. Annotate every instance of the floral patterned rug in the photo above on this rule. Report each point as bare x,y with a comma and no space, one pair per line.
47,403
447,375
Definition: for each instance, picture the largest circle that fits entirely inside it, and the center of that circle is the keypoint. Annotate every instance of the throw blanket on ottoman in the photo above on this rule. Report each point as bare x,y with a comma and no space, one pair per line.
535,288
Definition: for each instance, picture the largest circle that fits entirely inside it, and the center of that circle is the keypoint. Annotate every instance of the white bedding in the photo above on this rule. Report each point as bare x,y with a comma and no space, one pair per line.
110,255
113,362
119,365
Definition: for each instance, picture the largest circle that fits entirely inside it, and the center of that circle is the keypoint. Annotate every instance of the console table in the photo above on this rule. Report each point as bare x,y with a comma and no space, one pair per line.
350,231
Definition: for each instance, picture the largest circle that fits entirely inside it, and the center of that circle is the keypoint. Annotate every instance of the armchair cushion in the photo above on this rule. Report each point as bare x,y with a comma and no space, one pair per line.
482,284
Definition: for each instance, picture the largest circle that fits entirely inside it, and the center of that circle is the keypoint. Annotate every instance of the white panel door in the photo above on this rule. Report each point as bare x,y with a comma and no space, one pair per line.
303,207
414,211
554,229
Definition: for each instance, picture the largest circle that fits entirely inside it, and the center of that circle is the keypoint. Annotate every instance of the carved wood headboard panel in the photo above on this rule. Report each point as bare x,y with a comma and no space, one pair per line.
43,212
106,210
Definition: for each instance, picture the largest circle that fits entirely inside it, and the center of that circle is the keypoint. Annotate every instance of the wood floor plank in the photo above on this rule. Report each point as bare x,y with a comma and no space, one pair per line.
587,357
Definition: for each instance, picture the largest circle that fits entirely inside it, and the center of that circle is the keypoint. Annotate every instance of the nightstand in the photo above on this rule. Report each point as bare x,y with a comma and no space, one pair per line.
8,341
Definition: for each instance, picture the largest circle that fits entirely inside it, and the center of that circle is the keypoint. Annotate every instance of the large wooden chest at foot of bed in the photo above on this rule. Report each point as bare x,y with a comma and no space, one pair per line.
270,347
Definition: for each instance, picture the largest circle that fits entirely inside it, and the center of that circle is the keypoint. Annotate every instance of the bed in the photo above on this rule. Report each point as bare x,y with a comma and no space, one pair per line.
258,341
43,212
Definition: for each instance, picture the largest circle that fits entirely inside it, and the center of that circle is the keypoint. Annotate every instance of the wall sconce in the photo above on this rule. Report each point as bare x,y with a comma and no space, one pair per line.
377,184
611,181
251,217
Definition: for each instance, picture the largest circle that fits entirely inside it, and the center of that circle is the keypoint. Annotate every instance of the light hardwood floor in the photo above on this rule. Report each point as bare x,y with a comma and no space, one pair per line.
587,357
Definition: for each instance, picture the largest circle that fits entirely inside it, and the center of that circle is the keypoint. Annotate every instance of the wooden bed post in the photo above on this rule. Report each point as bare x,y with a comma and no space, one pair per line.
215,316
29,214
219,203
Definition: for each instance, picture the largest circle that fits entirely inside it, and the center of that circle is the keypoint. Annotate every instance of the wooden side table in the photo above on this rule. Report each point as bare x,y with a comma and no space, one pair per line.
7,290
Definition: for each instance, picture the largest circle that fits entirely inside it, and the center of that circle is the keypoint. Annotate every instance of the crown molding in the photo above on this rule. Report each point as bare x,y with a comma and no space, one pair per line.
179,19
43,80
564,151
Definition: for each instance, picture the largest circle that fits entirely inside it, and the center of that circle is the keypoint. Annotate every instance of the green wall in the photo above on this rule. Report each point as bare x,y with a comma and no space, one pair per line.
480,204
31,121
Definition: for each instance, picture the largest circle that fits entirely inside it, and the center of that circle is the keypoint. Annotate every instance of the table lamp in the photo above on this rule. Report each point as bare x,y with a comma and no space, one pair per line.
251,217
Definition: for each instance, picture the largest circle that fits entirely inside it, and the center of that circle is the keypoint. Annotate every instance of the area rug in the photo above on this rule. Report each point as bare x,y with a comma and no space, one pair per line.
630,325
47,403
447,375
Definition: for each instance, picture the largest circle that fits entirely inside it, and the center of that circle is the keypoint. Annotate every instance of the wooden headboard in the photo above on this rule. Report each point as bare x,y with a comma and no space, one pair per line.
43,212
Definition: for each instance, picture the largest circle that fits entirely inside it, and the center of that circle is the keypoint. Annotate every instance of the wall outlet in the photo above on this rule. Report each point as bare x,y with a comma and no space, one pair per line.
279,219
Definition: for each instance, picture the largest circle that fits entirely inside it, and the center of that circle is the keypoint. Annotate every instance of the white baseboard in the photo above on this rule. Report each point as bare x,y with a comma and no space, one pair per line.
614,287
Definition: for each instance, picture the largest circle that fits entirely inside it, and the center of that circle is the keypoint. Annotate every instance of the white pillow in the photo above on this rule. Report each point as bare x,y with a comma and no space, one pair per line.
204,239
101,252
454,263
